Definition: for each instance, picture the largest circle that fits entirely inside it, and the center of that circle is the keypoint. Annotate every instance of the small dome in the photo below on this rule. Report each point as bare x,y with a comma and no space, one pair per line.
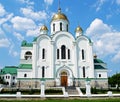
95,56
78,29
59,16
43,28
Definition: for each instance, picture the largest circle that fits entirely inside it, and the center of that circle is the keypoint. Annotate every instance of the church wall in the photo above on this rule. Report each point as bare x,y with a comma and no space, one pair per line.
101,74
83,44
22,72
43,43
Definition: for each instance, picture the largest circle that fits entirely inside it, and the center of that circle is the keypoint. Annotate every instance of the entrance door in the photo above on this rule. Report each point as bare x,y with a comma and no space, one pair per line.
64,79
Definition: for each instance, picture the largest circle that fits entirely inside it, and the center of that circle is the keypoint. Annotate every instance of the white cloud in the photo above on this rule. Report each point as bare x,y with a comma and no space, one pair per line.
12,52
18,36
38,16
48,2
5,19
2,11
1,33
99,4
22,23
116,58
34,32
106,41
7,27
26,2
98,27
4,42
118,2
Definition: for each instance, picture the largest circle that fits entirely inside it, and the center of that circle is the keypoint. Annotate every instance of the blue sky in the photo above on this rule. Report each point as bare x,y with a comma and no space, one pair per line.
22,19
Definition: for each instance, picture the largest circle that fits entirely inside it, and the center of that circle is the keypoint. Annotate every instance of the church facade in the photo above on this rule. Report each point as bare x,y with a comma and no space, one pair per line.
59,58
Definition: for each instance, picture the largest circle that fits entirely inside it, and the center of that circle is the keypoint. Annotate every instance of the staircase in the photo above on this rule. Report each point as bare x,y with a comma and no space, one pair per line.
71,90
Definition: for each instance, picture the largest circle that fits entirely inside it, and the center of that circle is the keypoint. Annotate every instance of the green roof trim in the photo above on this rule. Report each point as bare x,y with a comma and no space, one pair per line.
99,67
98,61
25,44
87,38
9,70
25,66
35,39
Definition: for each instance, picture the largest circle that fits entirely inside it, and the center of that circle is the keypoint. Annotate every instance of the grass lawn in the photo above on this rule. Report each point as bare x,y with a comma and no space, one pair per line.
62,100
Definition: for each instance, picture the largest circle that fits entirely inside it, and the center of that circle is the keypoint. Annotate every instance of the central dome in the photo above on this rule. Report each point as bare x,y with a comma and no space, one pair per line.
59,16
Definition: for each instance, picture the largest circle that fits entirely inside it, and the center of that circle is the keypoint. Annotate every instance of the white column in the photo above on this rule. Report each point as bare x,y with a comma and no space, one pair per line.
42,89
88,89
52,59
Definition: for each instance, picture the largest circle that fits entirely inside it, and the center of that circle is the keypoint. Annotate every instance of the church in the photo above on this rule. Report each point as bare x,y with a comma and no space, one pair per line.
59,58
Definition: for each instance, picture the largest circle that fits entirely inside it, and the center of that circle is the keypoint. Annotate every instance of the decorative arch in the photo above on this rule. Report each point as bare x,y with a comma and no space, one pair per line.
64,68
44,36
58,34
83,37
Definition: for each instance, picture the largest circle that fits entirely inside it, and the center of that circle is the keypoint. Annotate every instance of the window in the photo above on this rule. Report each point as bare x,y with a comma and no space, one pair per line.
13,77
57,53
63,52
8,77
68,53
67,27
83,56
99,75
60,26
13,83
83,72
53,27
43,72
25,75
43,53
28,55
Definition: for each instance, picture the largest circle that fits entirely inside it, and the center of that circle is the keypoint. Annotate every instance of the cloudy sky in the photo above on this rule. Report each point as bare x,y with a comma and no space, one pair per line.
22,19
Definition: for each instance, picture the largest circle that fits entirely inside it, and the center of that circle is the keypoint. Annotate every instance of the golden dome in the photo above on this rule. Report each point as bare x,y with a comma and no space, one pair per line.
78,29
43,28
59,16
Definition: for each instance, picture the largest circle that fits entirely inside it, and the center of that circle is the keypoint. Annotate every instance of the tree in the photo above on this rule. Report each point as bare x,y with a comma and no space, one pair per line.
114,80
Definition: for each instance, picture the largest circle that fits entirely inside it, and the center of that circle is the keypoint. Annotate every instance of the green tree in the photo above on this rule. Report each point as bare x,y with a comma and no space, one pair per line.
114,80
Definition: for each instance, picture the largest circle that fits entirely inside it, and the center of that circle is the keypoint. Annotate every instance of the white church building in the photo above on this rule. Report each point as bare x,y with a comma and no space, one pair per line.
59,58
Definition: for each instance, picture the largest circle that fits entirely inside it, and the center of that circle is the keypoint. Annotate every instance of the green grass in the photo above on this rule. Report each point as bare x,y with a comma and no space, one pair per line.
64,100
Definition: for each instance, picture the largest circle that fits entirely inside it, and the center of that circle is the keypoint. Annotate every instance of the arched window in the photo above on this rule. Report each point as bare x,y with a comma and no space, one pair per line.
53,27
57,53
63,52
60,26
43,72
84,72
25,75
43,53
83,54
28,55
67,27
68,53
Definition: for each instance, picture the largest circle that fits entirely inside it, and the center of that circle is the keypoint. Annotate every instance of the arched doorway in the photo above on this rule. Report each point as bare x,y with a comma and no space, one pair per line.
64,78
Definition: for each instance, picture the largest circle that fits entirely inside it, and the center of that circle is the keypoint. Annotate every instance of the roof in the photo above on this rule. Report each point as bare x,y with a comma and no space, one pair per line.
98,61
25,66
9,70
99,67
25,44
